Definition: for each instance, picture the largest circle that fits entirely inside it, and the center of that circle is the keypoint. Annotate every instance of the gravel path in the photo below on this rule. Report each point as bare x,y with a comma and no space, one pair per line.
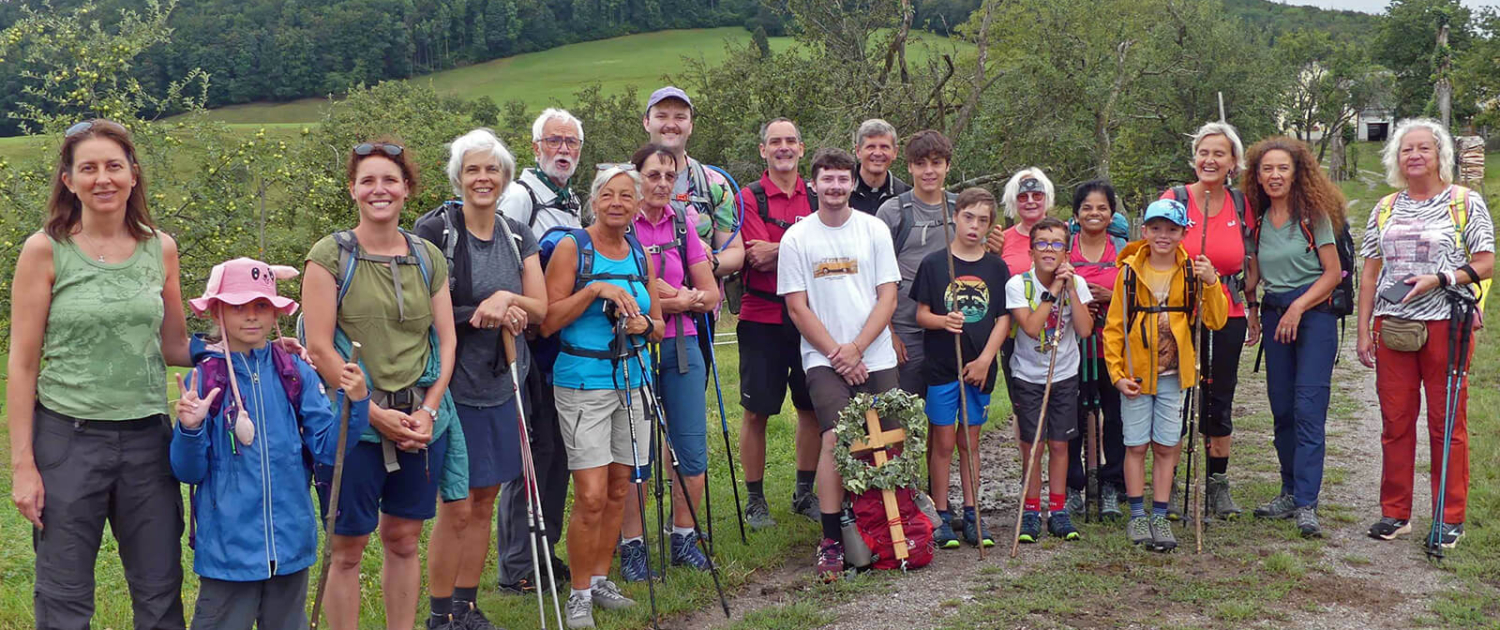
1357,583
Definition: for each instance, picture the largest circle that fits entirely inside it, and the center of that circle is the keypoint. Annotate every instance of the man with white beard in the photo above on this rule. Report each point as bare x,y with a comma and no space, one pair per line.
540,197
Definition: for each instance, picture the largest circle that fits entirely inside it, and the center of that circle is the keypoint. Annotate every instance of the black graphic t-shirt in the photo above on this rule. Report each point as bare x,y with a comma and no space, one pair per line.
977,291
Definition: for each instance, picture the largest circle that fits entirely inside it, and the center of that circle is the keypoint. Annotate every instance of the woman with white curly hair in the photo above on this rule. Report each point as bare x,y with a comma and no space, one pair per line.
1437,239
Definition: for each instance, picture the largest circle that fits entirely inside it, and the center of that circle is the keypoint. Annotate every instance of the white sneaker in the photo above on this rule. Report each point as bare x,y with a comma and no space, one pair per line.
580,612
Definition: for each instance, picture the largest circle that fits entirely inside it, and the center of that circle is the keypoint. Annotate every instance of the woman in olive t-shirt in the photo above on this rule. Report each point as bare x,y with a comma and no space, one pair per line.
396,295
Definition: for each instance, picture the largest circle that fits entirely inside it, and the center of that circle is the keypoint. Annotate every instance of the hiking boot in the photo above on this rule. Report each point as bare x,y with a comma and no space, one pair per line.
1059,524
1283,506
633,565
685,551
974,536
471,617
1388,528
1218,503
943,534
1307,522
1074,505
608,596
522,586
1174,502
1109,503
1451,533
1031,527
757,513
442,622
804,502
580,611
1139,530
1161,534
830,560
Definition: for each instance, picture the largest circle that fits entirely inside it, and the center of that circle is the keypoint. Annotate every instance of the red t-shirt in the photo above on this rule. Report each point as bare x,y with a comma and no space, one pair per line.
1101,272
784,207
1226,244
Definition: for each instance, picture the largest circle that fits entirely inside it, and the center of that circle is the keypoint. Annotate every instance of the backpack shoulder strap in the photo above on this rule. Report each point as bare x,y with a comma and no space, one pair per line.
681,236
1458,207
348,258
1029,289
417,248
1180,193
287,372
536,204
1383,210
638,253
585,245
812,197
902,231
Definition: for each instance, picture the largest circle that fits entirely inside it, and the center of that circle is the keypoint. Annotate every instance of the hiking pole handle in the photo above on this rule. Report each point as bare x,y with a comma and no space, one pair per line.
333,496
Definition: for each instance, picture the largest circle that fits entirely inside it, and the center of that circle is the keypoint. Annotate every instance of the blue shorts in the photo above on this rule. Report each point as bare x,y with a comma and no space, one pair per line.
494,442
1153,418
370,491
684,399
942,404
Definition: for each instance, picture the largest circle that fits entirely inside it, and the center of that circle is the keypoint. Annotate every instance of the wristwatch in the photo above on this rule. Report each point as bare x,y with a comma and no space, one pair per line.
430,411
1048,297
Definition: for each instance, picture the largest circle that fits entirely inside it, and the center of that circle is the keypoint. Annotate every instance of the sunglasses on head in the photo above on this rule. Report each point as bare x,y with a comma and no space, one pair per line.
624,166
87,125
366,148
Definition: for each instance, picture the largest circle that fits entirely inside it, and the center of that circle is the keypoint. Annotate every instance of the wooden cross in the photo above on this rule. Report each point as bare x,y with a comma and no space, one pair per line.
879,441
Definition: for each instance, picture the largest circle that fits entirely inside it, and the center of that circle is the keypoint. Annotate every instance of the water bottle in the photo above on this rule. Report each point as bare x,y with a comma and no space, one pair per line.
856,552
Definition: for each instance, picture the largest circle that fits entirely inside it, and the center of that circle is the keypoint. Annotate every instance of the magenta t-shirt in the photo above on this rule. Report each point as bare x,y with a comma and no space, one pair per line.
1101,272
668,261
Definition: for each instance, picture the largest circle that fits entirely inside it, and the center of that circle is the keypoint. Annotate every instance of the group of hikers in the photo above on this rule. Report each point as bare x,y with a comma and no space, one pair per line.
521,337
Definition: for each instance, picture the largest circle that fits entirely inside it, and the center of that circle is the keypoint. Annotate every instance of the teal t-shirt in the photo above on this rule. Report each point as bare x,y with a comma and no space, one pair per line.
1286,263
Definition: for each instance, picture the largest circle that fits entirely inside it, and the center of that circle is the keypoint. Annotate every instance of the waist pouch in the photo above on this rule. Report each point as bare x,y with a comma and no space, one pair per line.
1403,335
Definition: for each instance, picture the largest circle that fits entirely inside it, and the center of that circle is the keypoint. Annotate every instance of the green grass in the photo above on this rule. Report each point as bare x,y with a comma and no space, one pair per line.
549,77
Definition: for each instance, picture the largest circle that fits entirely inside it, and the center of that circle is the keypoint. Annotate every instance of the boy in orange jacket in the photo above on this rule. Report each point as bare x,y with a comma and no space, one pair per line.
1149,351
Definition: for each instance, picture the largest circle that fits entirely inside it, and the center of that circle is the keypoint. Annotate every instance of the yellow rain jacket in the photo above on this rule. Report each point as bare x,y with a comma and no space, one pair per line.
1143,327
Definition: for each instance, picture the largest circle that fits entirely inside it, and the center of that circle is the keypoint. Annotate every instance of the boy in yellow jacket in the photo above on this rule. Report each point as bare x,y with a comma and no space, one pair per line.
1148,348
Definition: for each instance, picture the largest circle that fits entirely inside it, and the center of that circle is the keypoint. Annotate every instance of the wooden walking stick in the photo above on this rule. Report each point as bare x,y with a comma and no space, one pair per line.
333,497
1033,458
963,398
1195,472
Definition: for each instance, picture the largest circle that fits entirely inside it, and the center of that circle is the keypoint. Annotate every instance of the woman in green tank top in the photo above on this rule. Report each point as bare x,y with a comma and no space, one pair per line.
96,314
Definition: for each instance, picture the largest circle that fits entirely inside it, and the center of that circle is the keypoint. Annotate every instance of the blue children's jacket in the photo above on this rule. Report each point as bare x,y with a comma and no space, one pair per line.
254,510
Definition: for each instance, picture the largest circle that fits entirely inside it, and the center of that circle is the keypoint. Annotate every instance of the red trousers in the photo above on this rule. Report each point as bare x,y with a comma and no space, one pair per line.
1400,379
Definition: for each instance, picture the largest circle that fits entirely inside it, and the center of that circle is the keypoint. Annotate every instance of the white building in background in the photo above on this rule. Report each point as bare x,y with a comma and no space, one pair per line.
1375,124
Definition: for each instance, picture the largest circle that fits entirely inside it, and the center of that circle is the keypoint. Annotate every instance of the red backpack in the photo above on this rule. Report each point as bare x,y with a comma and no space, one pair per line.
869,518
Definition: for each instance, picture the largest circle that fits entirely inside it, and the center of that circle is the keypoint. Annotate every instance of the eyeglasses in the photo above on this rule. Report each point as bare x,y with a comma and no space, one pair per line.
624,166
557,142
87,125
366,148
1050,246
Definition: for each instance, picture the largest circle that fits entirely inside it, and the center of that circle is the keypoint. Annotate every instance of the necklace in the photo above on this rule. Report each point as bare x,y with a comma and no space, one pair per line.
94,246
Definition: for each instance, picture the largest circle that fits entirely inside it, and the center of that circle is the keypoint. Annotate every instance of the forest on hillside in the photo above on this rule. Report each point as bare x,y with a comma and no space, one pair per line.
281,50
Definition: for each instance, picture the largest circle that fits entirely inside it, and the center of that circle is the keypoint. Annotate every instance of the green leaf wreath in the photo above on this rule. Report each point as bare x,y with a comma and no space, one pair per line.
902,471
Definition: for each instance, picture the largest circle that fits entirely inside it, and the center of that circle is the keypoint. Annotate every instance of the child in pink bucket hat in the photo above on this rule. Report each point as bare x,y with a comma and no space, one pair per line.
257,535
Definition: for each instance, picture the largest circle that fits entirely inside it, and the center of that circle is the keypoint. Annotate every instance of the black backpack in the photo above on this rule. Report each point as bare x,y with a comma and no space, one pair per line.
1341,301
902,231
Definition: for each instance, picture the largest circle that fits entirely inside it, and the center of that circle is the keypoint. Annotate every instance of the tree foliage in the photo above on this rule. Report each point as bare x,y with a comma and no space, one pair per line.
1405,43
1334,82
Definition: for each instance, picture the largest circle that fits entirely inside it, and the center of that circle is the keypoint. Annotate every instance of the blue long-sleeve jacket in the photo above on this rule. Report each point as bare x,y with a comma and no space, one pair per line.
254,510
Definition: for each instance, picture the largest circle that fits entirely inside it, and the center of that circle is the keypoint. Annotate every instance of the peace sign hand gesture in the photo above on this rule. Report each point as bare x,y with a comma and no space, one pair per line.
191,409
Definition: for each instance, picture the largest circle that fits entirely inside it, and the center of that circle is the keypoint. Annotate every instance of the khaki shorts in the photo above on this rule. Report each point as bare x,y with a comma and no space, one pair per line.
596,427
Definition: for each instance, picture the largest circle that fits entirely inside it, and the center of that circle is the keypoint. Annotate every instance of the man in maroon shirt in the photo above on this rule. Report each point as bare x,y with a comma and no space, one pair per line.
770,345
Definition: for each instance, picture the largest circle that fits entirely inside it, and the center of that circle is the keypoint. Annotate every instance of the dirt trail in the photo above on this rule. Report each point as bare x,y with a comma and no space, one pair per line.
1356,583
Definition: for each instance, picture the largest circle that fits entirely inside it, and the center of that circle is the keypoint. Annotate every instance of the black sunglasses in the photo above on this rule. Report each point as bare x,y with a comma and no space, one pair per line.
366,148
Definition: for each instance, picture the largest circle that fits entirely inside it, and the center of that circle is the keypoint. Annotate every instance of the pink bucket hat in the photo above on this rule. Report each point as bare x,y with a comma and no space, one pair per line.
242,281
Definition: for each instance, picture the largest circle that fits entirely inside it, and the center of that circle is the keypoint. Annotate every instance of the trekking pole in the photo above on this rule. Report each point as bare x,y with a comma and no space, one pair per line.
657,437
621,353
963,397
653,409
535,520
1091,440
1033,458
1460,332
728,452
333,494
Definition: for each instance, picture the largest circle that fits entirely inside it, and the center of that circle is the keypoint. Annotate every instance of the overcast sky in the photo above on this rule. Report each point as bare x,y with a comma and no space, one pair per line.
1374,6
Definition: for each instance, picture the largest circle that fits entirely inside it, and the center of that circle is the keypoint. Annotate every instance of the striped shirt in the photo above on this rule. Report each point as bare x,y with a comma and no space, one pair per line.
1420,238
